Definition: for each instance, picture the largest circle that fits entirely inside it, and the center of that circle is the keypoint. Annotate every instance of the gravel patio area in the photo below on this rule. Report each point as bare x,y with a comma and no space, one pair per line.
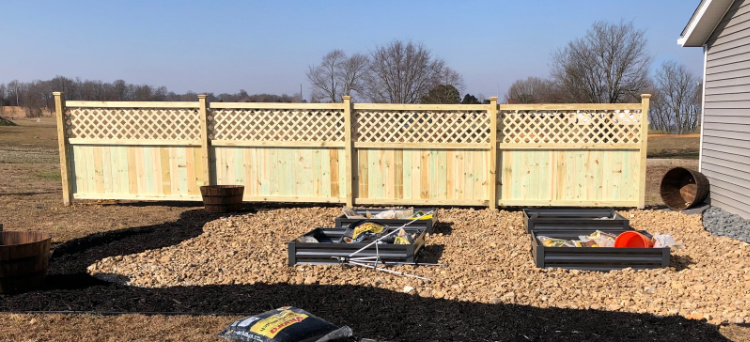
488,261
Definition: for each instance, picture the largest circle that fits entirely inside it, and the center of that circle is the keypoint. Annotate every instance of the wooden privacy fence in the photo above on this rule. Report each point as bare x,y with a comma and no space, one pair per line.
362,153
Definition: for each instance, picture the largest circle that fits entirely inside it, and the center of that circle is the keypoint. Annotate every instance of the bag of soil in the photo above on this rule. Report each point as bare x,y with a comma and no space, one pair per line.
363,231
285,324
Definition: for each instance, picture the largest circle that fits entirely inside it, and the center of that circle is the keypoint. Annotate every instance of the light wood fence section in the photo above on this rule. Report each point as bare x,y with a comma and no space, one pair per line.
475,155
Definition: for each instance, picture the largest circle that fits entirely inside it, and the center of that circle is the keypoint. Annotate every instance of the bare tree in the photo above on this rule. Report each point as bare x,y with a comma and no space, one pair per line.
353,73
609,64
534,90
337,75
676,104
403,73
14,92
449,77
2,99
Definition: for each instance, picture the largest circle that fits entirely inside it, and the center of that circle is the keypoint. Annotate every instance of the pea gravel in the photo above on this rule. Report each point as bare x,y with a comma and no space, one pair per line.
488,260
722,223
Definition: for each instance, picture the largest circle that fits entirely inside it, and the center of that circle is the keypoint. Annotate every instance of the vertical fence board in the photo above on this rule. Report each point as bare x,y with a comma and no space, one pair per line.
333,169
406,179
190,174
199,172
75,166
153,174
249,172
344,182
182,172
460,170
107,170
389,170
468,178
398,173
98,170
364,180
165,182
118,166
265,186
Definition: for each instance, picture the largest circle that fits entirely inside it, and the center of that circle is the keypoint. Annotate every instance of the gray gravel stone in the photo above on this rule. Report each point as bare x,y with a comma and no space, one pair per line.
722,223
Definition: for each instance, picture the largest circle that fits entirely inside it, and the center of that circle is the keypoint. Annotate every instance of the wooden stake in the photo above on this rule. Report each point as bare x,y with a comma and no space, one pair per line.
349,158
492,174
206,157
63,146
645,99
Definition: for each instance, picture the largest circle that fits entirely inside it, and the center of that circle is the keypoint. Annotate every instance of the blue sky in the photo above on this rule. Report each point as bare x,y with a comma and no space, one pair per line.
266,47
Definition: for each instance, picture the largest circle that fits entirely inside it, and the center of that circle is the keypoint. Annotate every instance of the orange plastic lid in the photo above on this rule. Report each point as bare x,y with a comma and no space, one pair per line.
633,239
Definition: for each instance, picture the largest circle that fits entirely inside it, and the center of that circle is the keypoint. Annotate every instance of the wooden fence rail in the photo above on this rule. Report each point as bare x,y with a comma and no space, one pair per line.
362,153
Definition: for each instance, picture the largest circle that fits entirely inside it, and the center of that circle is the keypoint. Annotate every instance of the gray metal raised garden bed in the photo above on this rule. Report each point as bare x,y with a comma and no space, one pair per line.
429,225
563,219
327,248
594,258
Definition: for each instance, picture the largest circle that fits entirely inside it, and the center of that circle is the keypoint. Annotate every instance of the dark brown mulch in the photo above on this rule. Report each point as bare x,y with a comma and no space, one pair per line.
371,312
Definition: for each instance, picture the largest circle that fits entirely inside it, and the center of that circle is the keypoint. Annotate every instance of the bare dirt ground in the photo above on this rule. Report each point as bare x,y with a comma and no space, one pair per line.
673,146
30,199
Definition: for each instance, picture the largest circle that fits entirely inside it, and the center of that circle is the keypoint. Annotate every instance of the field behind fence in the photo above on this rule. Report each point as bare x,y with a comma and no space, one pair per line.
357,153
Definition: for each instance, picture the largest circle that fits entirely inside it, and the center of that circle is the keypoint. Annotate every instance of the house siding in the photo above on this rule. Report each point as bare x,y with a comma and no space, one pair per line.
725,151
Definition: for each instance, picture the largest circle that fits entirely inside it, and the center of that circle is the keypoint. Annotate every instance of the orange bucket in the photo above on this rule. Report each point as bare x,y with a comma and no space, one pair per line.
633,239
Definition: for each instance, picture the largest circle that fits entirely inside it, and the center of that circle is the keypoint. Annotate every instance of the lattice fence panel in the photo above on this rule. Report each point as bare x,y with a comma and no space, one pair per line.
303,125
570,127
133,123
405,126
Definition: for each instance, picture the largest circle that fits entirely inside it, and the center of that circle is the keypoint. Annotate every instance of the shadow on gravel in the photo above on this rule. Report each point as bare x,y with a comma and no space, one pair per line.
431,254
681,262
371,312
445,228
67,267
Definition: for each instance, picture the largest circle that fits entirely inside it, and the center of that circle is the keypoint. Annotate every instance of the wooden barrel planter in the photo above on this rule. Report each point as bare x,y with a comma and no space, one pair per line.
24,257
222,198
683,188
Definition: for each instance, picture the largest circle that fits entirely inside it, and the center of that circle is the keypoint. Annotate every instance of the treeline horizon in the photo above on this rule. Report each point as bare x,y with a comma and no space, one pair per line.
36,95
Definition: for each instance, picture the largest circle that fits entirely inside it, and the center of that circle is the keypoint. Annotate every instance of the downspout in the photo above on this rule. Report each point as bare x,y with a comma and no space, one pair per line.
703,107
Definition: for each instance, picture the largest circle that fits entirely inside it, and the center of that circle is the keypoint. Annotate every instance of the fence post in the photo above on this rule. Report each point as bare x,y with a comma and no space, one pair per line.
63,145
206,158
492,176
645,99
349,151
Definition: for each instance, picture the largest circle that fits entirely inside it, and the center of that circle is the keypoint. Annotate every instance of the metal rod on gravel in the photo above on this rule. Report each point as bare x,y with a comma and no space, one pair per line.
389,271
389,234
397,263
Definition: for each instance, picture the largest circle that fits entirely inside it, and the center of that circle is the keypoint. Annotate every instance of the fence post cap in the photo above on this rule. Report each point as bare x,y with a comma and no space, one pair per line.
202,96
493,98
645,96
56,93
346,97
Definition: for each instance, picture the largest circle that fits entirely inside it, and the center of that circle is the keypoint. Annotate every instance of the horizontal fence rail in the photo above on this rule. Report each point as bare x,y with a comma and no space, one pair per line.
363,153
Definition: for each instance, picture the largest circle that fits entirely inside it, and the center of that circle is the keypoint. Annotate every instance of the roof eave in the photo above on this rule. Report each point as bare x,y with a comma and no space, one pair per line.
703,22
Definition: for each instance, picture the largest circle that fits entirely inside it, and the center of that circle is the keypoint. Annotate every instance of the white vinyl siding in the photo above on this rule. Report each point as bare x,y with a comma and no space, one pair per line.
725,154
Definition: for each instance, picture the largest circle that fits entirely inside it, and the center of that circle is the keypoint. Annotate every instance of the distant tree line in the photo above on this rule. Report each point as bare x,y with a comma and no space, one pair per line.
36,96
609,65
